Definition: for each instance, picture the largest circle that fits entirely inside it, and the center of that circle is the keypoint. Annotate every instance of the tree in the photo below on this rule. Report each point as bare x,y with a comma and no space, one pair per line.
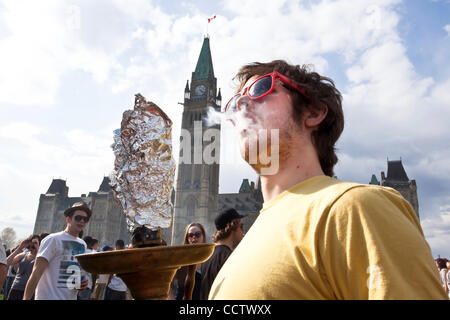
8,237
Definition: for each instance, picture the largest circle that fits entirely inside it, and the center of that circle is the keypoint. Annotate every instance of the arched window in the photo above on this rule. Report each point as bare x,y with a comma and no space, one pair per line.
190,207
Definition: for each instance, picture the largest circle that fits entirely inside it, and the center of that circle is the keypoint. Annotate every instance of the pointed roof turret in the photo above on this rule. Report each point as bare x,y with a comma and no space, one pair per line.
374,180
187,87
245,186
58,186
204,67
105,187
219,96
396,172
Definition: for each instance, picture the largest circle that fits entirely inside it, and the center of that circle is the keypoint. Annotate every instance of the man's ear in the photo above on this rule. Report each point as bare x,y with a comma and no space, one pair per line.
314,116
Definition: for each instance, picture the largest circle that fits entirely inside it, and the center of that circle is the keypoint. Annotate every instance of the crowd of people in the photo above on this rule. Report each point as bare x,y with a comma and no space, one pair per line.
186,285
43,266
20,261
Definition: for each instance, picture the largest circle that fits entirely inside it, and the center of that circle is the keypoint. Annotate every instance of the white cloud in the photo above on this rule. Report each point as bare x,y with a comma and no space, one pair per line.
18,209
447,28
305,34
43,42
437,232
22,131
82,158
384,80
359,168
83,142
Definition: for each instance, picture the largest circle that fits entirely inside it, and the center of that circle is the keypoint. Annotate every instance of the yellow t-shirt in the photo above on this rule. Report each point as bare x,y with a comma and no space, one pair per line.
327,239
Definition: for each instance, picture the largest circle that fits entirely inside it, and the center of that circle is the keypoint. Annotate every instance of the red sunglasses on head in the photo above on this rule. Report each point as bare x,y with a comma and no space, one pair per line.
262,87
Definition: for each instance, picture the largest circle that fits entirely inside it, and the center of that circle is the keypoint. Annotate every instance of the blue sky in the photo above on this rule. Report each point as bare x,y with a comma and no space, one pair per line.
421,28
70,69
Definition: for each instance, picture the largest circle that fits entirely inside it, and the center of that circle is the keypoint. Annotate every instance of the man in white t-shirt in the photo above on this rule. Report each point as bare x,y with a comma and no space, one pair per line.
3,266
56,273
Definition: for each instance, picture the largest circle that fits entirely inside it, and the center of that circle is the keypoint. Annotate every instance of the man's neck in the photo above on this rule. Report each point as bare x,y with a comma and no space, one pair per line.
299,166
226,242
71,232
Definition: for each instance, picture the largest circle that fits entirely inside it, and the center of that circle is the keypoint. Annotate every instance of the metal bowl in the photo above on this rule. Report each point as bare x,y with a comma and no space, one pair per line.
147,272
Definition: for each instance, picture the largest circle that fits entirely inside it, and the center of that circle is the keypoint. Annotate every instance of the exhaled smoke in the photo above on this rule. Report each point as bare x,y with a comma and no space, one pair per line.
262,155
213,117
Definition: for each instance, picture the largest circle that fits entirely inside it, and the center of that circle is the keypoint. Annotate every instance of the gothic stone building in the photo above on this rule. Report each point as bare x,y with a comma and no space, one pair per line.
398,179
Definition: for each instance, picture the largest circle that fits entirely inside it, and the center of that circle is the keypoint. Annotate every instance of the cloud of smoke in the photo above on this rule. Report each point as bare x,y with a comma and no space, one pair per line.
213,117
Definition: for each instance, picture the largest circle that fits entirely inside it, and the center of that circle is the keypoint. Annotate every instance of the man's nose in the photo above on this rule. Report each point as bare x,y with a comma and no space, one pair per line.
242,103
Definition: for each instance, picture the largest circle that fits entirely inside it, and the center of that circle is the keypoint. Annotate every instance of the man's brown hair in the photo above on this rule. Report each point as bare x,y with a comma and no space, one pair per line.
321,91
225,233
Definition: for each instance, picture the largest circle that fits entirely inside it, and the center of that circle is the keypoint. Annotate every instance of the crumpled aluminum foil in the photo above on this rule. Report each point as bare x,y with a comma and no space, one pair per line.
144,169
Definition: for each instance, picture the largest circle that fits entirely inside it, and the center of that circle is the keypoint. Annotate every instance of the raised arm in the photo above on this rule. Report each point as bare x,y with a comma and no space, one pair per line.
3,273
18,258
3,266
18,252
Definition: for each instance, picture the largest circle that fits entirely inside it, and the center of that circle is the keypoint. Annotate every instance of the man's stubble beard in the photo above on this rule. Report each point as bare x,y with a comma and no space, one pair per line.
283,151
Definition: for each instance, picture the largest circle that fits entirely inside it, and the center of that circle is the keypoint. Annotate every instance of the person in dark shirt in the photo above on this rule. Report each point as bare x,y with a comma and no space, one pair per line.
25,260
230,231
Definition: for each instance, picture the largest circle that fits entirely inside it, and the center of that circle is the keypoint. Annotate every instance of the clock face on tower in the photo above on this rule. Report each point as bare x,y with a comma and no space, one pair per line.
200,90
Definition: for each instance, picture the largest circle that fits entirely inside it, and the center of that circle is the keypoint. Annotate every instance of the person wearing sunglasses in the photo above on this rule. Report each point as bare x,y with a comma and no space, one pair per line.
181,287
56,273
316,237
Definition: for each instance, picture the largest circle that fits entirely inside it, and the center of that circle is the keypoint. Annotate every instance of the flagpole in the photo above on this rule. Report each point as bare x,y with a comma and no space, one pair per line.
209,20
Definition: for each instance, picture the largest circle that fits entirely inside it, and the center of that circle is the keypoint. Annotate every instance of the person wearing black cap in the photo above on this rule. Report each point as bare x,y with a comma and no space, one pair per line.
230,231
56,273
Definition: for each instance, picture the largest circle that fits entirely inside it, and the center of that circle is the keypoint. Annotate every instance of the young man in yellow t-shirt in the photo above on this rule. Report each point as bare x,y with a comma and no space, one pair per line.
316,237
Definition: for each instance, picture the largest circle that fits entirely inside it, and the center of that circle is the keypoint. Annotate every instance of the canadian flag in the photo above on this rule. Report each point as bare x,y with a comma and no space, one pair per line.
209,19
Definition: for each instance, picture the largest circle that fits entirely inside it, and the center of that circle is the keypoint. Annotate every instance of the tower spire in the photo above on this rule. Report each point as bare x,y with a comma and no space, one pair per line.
204,68
197,186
